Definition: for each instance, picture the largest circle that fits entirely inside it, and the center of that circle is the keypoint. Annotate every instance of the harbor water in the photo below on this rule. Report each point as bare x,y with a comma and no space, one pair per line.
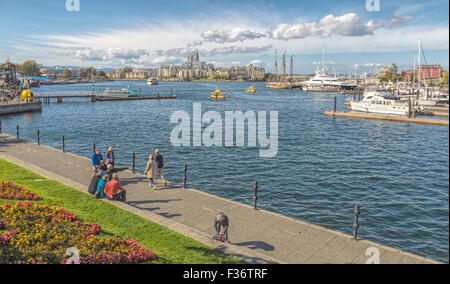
397,172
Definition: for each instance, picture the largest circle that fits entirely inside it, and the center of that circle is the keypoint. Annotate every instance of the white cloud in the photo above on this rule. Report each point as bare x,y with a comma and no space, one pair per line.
234,35
349,25
256,62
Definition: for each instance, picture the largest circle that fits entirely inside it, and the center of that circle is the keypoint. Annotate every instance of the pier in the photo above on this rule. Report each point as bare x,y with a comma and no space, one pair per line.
95,96
257,236
395,118
19,107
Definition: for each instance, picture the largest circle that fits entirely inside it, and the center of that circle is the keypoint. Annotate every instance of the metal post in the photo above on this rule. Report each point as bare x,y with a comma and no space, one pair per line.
409,108
185,176
38,138
133,165
17,131
255,197
335,104
93,148
63,144
357,212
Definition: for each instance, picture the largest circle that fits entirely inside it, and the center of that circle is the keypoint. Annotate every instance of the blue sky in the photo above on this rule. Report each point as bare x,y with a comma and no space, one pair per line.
148,33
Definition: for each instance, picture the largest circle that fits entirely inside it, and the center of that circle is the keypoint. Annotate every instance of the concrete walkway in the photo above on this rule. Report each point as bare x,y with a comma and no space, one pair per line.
257,236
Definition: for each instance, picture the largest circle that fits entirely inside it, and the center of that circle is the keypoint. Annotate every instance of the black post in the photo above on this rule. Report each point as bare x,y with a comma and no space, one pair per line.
255,197
335,104
0,126
63,144
409,108
38,138
93,148
17,131
133,165
140,91
357,212
185,176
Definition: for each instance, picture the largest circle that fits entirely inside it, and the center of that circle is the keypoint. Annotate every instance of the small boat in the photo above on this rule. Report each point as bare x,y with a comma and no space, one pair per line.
122,92
218,95
251,89
152,81
375,102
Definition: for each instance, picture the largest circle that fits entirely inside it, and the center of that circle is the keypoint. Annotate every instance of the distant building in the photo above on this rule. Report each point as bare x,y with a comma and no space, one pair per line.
393,69
193,68
434,71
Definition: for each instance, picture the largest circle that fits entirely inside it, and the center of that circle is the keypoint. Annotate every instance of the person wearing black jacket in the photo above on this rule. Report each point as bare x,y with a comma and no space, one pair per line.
160,165
111,171
95,178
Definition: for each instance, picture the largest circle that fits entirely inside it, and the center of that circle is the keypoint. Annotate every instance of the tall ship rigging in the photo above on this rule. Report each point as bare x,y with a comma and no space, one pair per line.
283,82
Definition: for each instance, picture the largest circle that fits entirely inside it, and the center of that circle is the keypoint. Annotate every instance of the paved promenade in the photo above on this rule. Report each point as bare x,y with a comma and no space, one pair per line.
257,236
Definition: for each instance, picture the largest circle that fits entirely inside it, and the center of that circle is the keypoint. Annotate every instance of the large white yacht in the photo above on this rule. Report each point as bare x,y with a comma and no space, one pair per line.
375,102
324,82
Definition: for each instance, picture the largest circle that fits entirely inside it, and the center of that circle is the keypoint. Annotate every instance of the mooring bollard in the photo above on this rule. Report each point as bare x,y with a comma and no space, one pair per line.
38,138
133,165
63,144
255,197
17,131
185,176
356,224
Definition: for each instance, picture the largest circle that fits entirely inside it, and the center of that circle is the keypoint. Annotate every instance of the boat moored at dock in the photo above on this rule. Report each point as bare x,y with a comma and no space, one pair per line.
374,102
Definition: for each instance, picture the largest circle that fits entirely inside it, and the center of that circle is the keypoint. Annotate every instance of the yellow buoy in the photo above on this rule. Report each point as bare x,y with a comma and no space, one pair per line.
27,95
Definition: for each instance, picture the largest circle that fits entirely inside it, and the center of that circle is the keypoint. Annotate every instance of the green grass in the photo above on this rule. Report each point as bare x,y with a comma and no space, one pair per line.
169,246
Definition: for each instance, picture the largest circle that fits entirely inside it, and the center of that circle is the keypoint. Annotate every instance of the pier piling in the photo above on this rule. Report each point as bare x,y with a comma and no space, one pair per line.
17,131
63,144
0,126
335,104
255,197
357,212
93,148
185,176
38,138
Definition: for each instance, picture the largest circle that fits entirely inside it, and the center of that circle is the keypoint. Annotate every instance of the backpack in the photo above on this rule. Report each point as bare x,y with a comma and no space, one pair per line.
159,162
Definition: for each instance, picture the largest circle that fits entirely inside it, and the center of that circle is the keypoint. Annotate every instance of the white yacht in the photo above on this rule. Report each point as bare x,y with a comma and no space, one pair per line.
324,82
152,81
375,102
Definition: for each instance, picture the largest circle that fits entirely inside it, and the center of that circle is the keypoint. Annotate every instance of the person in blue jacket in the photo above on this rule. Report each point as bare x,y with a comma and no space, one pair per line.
96,160
101,186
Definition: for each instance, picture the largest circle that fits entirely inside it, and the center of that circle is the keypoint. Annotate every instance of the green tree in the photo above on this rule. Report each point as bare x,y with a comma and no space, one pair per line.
445,79
67,74
29,68
387,77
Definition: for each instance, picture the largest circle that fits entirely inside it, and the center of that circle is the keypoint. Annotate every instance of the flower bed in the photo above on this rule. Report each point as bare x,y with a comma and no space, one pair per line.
9,190
42,234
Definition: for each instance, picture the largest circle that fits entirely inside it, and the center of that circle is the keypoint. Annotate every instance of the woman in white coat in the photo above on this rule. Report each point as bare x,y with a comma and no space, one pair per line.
151,171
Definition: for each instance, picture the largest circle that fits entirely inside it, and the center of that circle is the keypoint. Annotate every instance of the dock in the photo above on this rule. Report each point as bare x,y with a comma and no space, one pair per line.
95,96
19,107
258,236
395,118
425,113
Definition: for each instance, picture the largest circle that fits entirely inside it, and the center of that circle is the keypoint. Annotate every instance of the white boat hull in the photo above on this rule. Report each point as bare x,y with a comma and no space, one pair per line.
382,109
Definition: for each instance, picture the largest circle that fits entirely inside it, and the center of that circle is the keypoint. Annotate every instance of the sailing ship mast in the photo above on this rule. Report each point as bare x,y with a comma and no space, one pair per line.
284,68
292,69
276,66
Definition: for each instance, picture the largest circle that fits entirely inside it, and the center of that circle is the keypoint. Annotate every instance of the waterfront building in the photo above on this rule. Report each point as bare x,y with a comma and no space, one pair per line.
392,68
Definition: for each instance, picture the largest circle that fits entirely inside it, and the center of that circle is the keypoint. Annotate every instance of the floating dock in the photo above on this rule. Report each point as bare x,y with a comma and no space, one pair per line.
106,99
396,118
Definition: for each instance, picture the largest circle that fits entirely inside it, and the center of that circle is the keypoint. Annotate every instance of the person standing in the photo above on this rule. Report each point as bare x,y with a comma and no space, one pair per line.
110,157
150,170
159,166
96,160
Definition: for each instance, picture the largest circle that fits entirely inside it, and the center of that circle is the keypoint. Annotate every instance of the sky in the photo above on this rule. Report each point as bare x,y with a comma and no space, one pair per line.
357,36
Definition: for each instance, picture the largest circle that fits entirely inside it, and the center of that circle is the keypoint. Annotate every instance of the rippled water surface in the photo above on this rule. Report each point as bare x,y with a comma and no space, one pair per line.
398,173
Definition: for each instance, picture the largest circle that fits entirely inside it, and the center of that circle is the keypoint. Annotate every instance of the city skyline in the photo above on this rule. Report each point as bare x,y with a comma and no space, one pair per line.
148,34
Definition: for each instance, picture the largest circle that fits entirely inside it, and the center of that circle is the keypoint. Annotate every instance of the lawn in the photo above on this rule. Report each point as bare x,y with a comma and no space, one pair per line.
169,247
